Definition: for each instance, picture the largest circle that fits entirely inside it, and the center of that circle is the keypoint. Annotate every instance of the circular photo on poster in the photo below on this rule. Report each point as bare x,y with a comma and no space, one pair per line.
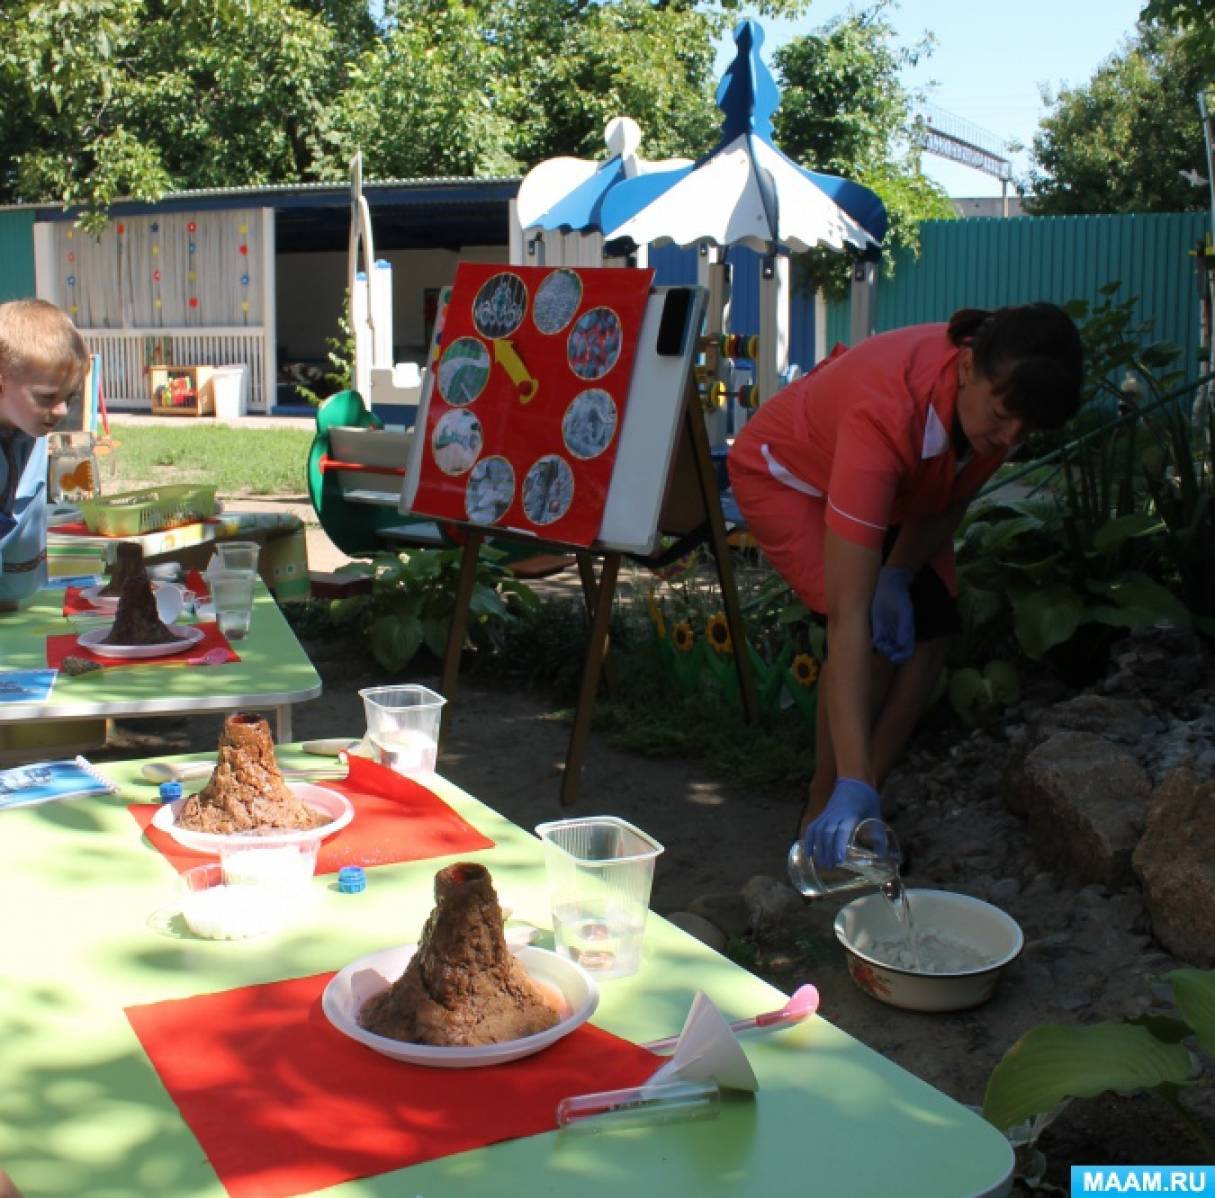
557,299
456,442
589,423
463,371
490,490
548,490
594,343
500,306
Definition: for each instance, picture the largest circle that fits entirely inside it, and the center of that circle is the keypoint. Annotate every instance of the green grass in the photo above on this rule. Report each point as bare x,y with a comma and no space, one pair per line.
239,461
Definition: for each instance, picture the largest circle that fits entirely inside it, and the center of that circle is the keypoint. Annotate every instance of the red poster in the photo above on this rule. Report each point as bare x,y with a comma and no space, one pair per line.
529,392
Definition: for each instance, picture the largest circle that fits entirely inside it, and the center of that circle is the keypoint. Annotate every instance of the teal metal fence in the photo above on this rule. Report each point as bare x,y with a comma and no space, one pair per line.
988,262
16,255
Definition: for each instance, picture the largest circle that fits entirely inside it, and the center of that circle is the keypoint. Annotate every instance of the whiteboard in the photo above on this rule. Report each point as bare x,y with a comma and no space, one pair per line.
649,436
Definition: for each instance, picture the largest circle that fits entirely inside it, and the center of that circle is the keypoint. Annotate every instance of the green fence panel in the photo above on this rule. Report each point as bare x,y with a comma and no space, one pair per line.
991,261
16,255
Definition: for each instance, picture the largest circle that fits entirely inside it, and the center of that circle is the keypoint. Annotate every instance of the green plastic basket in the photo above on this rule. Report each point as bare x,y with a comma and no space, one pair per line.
150,510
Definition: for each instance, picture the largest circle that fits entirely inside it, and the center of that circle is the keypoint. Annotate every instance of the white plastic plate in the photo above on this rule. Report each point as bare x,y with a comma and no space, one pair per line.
110,602
183,638
320,798
350,988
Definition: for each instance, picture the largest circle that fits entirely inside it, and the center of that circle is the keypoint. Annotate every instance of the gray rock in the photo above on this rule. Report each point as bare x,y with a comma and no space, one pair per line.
1085,799
1115,719
729,912
1175,861
770,903
704,931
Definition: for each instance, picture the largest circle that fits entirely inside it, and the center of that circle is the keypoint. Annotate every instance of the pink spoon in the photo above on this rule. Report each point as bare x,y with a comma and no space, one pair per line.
212,657
802,1002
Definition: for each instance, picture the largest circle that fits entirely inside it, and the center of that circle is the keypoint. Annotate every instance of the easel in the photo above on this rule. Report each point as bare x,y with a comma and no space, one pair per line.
690,509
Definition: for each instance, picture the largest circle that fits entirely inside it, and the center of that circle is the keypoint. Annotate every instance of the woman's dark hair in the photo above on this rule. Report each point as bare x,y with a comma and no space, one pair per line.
1031,354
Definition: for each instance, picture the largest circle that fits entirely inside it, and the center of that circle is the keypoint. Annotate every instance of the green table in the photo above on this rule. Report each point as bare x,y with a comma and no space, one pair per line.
82,1112
273,671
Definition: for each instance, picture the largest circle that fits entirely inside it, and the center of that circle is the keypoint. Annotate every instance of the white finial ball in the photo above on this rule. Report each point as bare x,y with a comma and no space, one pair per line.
622,136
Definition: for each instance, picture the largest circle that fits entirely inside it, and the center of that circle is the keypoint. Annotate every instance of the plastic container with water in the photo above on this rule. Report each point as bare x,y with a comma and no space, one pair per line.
403,727
600,871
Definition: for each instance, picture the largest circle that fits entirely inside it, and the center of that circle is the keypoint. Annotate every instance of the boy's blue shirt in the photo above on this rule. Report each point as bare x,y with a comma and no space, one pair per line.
23,525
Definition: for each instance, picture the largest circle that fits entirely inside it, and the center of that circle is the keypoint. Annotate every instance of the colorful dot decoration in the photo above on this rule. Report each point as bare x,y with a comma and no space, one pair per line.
161,269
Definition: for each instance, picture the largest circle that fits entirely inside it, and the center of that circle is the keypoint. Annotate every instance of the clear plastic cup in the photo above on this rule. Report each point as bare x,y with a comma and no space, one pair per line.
232,598
403,727
236,555
600,871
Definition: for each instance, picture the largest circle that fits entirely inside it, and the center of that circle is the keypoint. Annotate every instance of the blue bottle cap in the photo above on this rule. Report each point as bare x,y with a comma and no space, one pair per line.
170,791
351,879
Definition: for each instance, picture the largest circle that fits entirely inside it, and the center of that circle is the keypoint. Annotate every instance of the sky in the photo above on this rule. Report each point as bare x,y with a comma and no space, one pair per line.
988,64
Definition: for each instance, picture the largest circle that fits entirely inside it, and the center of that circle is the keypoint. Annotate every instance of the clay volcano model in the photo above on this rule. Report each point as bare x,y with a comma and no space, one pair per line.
128,562
246,792
137,622
462,986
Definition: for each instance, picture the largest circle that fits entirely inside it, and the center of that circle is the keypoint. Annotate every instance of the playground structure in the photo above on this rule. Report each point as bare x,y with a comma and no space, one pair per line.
573,212
743,192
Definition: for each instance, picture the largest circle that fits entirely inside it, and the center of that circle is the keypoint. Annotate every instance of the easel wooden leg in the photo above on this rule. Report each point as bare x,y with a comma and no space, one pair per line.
595,651
586,571
721,555
459,622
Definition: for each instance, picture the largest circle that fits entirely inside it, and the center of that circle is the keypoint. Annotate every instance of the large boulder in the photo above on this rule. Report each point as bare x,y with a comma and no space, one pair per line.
1085,799
1175,861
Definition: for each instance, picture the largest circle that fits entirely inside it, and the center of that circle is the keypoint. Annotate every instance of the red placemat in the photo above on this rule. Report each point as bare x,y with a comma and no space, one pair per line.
65,644
395,819
282,1103
75,604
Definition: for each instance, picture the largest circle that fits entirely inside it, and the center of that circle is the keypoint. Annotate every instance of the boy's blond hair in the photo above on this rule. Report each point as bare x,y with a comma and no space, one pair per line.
36,334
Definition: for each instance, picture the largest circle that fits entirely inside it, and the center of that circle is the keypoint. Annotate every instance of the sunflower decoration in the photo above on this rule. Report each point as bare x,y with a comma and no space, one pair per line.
660,625
683,636
804,670
717,631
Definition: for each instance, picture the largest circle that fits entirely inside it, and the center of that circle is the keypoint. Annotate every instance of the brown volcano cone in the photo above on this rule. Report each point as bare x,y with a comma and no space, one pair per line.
137,622
246,792
462,986
128,562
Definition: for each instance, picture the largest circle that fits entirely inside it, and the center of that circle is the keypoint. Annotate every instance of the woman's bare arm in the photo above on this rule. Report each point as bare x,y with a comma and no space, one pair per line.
850,573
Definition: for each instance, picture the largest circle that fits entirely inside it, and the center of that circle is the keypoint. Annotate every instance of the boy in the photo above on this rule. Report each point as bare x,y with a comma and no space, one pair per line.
42,363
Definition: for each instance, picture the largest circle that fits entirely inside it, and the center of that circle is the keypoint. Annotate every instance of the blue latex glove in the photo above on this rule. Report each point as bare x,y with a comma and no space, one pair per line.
826,839
892,616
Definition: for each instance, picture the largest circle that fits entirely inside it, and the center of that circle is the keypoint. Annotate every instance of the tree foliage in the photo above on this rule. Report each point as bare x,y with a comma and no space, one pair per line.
1121,142
113,98
844,111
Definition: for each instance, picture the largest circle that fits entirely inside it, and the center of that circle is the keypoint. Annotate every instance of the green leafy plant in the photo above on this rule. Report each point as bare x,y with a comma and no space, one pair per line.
979,696
340,353
412,599
1085,550
1052,1064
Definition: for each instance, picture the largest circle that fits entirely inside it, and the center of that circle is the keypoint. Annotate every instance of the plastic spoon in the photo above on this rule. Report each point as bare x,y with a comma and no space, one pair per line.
802,1002
182,771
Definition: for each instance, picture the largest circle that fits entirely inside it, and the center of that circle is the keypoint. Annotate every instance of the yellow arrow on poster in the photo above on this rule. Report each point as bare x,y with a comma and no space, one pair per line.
508,358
